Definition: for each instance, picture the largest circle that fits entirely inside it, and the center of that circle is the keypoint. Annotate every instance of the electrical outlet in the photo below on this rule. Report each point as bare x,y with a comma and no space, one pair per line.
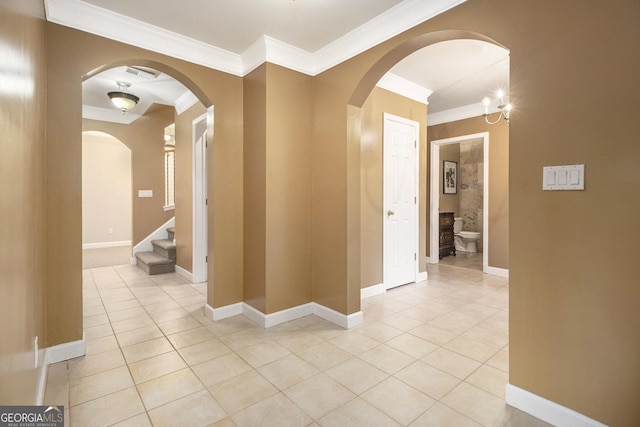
35,352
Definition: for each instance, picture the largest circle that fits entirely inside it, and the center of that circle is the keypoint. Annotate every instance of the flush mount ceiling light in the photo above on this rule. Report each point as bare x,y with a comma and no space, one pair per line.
503,109
122,98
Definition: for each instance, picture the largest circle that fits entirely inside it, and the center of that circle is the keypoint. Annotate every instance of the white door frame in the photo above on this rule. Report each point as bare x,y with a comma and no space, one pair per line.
436,170
416,126
199,177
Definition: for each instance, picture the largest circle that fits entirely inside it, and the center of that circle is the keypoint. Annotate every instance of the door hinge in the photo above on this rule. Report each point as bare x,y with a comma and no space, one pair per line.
415,257
415,200
206,202
206,258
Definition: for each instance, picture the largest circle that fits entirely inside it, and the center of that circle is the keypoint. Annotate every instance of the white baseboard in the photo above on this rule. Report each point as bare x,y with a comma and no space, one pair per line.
283,316
422,276
547,410
372,291
346,321
100,245
222,312
184,273
66,351
502,272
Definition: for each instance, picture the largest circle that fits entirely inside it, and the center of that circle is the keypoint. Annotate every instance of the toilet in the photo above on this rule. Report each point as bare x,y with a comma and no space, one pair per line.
465,241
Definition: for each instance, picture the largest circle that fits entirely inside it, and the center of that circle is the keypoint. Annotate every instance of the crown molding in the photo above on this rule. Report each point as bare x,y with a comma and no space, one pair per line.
404,87
396,20
454,114
102,22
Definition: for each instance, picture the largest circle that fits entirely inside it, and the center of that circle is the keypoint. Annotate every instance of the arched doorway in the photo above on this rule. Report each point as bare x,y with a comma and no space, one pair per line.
355,123
166,100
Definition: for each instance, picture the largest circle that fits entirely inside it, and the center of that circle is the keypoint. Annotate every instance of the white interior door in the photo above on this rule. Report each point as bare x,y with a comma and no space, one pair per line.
400,230
200,199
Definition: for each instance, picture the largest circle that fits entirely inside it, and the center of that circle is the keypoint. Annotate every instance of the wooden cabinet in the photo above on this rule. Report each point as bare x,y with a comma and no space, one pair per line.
447,243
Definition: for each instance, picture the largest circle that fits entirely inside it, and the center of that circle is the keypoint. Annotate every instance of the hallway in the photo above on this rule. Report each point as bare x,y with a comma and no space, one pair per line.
431,353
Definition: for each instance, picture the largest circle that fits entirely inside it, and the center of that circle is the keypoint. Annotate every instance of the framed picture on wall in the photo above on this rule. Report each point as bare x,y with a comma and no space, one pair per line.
450,177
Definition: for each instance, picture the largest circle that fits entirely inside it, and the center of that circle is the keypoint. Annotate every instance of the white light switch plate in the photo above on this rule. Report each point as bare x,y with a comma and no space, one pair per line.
145,193
570,177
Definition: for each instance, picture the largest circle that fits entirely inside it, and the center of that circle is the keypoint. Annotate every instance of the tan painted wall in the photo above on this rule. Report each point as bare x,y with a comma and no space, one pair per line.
71,55
498,179
371,171
184,185
277,261
573,311
145,139
288,188
573,315
255,194
22,205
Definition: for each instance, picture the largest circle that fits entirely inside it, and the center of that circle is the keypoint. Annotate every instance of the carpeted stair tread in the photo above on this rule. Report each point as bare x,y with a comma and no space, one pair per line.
171,230
165,244
152,258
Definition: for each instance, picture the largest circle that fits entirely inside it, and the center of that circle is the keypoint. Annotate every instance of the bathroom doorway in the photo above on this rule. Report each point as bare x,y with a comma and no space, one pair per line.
478,216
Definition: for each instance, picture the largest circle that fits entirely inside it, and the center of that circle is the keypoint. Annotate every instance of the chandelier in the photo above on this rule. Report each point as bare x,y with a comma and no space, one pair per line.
503,109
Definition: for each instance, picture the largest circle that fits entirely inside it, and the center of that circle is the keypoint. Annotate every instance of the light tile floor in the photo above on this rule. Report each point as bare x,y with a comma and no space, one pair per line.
433,353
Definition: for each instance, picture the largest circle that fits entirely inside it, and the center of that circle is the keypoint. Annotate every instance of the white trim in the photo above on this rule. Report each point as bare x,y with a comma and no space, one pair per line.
184,273
185,101
546,410
159,233
454,114
42,383
169,208
416,128
403,87
422,276
372,291
495,271
95,20
66,351
459,113
283,316
223,312
434,203
199,211
106,244
347,321
405,15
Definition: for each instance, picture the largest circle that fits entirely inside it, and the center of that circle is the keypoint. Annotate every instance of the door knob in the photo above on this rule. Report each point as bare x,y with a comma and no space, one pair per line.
390,212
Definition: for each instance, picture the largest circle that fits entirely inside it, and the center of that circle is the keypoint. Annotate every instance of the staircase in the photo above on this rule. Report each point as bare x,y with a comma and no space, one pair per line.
162,259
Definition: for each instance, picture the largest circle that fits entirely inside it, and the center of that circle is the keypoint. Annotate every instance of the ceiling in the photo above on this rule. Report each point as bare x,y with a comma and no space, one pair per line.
305,35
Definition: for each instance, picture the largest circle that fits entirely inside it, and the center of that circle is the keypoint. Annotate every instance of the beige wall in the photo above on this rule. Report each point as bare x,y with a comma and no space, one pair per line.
73,54
498,180
145,139
277,261
22,205
106,190
255,192
572,320
184,185
371,174
573,311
